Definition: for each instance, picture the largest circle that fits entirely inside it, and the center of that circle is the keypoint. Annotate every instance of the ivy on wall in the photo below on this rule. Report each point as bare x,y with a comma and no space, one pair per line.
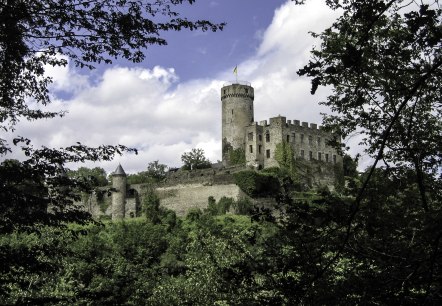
237,157
285,156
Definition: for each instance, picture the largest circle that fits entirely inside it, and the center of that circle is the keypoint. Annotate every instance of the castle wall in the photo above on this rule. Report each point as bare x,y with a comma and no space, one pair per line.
308,142
254,148
181,198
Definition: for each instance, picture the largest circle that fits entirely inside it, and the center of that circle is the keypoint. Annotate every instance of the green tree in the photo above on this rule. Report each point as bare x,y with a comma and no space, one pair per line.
44,32
156,171
96,176
383,61
195,159
151,206
37,193
139,178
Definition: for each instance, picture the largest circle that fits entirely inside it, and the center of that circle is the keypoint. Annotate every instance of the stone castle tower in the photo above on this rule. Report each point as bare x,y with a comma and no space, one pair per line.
258,141
119,181
237,114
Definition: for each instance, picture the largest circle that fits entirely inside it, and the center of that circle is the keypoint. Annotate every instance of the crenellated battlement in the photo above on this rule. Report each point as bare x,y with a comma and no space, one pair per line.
289,123
259,140
238,95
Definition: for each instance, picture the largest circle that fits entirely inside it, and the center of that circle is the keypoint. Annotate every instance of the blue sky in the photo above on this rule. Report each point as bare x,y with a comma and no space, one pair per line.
197,54
170,103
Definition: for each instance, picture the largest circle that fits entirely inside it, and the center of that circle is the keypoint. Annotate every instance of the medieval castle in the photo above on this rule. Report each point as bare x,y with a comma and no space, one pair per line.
257,141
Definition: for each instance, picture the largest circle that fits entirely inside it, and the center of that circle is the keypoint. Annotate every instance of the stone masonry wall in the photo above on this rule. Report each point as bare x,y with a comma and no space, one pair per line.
181,198
308,142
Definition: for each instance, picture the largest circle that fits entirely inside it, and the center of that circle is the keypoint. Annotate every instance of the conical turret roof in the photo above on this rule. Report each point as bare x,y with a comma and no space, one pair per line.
119,171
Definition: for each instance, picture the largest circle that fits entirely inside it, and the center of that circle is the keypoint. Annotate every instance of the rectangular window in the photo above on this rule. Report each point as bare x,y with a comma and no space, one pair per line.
326,157
268,153
294,137
310,140
250,136
251,149
260,137
259,149
319,156
288,138
310,155
334,159
302,138
319,141
267,137
302,153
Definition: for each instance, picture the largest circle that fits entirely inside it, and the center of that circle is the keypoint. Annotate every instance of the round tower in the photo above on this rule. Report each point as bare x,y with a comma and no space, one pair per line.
237,113
119,181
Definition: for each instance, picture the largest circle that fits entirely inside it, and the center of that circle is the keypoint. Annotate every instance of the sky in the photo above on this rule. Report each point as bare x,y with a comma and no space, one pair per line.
170,103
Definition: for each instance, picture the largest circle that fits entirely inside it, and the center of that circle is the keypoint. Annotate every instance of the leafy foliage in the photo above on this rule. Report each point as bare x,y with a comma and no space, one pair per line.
39,33
285,156
195,159
237,156
221,207
96,176
156,171
36,195
256,184
383,61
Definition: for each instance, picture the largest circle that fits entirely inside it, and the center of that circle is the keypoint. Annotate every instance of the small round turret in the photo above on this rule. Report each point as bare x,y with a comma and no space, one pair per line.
119,181
237,113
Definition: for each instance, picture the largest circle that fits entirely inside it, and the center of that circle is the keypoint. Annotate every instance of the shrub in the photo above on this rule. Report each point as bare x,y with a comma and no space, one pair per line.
257,184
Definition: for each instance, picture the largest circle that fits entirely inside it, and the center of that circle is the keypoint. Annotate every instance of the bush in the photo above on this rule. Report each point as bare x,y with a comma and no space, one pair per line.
243,207
220,208
257,184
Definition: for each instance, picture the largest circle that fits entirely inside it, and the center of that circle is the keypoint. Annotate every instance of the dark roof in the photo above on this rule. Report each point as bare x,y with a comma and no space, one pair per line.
119,171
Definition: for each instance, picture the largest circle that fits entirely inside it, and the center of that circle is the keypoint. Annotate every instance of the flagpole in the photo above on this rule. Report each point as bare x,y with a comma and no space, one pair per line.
235,71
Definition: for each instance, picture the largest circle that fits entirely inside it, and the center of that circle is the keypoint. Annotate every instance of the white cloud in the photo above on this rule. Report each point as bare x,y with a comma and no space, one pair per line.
150,109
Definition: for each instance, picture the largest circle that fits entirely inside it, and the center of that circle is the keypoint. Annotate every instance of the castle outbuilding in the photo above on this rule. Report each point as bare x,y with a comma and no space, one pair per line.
258,141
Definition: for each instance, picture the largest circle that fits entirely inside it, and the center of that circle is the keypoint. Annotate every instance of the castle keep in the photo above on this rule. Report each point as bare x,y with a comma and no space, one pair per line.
258,140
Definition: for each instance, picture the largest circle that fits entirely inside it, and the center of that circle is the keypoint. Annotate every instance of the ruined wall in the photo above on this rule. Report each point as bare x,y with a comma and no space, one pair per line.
181,191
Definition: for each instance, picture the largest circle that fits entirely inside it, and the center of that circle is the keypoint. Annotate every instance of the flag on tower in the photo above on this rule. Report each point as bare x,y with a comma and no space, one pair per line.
235,71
